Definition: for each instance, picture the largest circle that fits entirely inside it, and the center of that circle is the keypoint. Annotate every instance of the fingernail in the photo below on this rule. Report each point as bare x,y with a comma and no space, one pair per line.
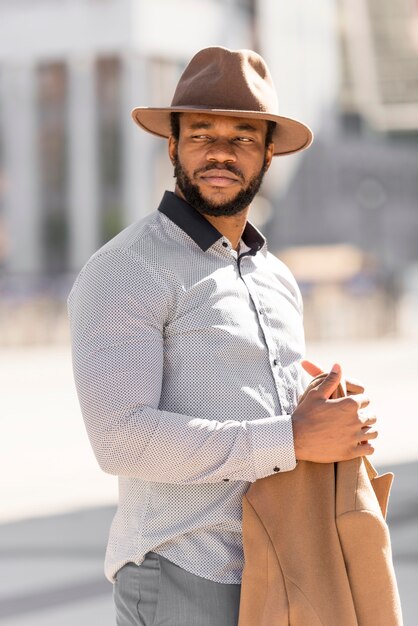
335,369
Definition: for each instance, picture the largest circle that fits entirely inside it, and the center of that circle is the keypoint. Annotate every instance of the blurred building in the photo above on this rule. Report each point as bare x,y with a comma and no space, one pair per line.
358,182
379,40
300,43
73,167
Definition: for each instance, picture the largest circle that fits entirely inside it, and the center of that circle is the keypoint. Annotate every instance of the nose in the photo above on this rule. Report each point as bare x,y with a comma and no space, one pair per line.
221,151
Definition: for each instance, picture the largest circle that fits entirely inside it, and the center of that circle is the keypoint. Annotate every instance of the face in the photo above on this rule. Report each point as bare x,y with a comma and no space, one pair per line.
220,161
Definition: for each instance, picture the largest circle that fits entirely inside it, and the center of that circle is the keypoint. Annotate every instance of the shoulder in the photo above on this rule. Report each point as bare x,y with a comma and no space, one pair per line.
125,264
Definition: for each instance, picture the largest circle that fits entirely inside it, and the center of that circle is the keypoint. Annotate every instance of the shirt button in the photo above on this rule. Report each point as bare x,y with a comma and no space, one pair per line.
276,362
276,469
226,480
225,245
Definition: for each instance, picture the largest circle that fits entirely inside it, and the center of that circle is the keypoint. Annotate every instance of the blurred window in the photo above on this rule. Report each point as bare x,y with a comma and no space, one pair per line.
108,71
249,5
164,78
3,234
52,135
396,58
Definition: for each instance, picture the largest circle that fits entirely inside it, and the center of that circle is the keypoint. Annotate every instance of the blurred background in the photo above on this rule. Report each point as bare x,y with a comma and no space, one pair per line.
75,170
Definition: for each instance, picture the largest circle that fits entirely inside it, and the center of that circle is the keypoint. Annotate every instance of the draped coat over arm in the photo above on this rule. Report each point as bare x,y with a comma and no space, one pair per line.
317,548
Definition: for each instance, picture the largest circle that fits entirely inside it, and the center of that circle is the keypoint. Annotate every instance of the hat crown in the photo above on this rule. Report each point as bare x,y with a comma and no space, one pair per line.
219,78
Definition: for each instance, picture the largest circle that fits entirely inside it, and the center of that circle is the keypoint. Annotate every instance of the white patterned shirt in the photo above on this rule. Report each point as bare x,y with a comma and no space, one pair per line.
187,367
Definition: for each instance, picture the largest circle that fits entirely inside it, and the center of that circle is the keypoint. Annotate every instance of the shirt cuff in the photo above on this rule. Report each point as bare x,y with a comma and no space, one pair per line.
273,449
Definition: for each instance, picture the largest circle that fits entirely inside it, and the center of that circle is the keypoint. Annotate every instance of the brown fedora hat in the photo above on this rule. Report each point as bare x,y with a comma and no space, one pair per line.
236,83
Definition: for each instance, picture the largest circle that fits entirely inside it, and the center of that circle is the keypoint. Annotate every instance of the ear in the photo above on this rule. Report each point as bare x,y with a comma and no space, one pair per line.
172,148
269,156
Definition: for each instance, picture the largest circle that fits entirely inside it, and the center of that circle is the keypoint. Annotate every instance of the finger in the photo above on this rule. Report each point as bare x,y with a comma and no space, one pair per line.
364,449
365,436
311,368
354,387
367,418
330,383
361,399
314,384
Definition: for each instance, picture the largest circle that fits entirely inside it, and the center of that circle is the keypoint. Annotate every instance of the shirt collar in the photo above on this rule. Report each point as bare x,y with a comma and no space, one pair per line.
198,228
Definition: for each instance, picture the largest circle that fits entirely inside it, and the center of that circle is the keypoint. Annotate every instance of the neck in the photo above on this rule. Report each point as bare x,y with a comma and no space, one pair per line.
230,226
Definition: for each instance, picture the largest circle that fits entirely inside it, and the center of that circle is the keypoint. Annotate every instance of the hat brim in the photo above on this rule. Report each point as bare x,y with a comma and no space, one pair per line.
289,136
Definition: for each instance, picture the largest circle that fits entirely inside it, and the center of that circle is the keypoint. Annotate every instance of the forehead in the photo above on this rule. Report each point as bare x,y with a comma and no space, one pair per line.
221,122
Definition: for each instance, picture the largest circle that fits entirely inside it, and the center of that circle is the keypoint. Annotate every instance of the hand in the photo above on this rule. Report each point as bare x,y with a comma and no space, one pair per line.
353,386
327,430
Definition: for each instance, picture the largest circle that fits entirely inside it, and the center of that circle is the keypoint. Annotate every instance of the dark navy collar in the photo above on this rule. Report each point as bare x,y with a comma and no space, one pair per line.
198,228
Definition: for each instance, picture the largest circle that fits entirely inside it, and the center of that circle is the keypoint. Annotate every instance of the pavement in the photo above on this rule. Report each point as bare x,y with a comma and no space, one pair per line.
56,505
52,567
52,570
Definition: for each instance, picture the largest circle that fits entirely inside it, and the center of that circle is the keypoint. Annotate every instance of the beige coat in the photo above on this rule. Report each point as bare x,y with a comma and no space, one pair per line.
317,548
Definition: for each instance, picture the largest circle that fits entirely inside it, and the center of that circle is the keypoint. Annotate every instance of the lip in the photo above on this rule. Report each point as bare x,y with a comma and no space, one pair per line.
219,178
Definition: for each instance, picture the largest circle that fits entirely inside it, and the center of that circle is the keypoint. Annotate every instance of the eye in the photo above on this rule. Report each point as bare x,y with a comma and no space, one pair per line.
244,139
200,137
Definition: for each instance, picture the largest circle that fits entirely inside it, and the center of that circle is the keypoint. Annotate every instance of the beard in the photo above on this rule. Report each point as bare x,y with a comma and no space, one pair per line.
193,196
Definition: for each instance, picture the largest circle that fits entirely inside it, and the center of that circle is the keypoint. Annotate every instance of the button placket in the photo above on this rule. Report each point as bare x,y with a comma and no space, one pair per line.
275,362
275,366
223,249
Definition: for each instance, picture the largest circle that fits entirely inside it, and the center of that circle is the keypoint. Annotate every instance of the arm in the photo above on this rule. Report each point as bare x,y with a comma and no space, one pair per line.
117,312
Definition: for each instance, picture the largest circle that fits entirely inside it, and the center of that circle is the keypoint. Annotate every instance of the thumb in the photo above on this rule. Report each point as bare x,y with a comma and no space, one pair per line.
330,382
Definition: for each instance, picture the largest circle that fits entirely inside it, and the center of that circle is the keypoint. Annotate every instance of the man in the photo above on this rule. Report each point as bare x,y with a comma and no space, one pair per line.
187,348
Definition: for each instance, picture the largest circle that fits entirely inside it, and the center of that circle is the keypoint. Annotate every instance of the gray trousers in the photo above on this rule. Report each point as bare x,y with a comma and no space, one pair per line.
159,593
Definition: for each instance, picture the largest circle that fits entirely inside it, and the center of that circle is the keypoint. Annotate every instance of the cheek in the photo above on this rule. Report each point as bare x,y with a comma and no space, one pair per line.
185,156
190,163
253,170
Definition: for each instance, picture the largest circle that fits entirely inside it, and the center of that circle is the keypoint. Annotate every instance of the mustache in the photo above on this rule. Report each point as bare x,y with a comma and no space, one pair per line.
221,166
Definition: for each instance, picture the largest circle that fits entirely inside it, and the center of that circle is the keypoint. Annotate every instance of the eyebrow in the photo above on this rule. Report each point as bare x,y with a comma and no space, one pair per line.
208,125
246,127
197,125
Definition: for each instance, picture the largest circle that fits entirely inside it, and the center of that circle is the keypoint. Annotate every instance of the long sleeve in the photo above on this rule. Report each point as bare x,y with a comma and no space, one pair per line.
118,327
